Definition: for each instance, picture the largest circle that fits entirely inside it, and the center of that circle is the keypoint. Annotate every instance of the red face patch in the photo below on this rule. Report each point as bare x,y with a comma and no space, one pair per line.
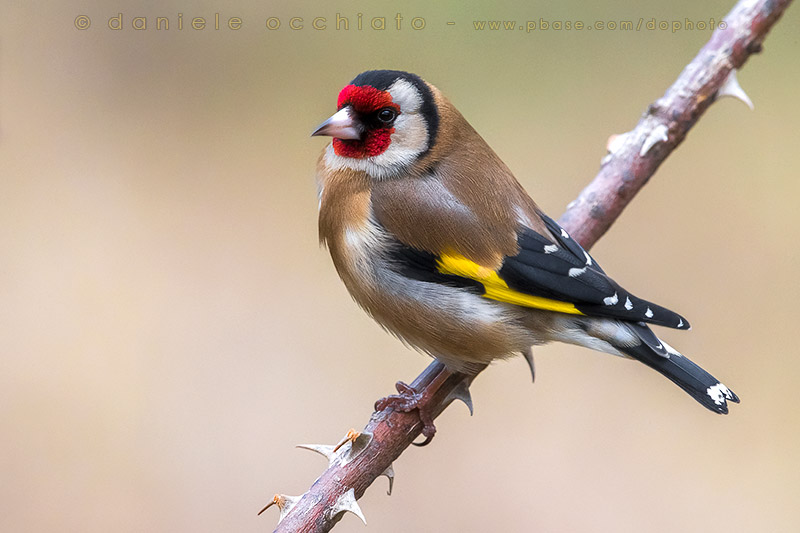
365,100
375,143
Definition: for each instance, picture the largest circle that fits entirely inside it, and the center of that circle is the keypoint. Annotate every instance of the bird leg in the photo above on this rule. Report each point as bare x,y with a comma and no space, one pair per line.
410,399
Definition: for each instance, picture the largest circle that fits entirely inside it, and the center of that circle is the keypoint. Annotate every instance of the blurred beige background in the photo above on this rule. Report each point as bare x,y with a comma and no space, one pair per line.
169,328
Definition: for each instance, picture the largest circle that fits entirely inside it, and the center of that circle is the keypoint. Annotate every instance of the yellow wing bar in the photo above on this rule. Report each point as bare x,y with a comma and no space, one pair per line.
496,288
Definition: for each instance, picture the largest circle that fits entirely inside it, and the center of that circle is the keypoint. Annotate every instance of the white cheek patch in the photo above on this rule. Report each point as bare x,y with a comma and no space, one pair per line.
406,96
410,138
373,166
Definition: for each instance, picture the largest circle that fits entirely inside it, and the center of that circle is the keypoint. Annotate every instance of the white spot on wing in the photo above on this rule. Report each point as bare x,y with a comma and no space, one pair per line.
670,349
718,393
575,272
611,300
550,249
628,303
588,259
680,322
648,313
564,233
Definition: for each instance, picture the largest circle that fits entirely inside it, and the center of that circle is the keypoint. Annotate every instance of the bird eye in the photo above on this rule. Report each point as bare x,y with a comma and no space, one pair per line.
387,115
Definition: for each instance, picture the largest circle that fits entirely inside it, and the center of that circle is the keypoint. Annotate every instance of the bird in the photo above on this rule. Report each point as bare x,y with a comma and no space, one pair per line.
438,242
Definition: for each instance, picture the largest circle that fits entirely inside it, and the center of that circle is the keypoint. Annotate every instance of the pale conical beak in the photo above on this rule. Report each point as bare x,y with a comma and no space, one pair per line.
341,125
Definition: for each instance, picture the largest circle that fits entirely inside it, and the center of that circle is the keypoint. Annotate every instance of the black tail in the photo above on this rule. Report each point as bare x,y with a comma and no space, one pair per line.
698,383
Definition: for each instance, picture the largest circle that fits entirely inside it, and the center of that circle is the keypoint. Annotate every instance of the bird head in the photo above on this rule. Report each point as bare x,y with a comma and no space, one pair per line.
386,120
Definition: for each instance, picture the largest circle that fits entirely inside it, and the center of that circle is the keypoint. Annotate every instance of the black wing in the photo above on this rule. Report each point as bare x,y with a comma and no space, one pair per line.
565,271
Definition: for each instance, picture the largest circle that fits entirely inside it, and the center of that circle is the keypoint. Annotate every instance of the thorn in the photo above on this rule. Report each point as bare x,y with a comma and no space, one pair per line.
358,441
613,144
284,503
351,436
461,392
528,355
659,134
276,500
755,47
731,87
347,503
358,445
655,107
323,449
389,473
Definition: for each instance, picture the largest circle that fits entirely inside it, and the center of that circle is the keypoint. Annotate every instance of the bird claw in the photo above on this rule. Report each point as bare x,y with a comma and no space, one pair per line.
409,400
428,429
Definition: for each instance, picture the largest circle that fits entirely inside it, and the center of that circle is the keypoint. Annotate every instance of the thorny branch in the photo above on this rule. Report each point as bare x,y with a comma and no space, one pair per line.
632,159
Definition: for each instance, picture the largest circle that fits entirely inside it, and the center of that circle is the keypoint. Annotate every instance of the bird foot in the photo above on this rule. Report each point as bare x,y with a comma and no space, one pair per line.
409,400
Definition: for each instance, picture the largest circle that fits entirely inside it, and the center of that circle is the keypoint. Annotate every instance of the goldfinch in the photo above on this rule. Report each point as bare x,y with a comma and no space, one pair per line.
434,237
